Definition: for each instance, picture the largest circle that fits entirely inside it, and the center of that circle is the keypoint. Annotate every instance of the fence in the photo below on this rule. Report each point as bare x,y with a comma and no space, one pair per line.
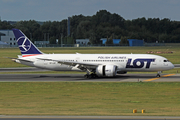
96,45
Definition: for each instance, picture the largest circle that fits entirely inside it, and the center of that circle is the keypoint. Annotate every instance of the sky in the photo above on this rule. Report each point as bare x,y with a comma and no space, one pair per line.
57,10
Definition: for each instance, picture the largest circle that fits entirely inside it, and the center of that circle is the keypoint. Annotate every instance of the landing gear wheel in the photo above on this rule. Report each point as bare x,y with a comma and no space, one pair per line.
94,75
86,76
159,74
90,76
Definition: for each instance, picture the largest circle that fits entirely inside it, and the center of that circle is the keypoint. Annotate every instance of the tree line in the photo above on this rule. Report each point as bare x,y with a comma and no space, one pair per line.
101,25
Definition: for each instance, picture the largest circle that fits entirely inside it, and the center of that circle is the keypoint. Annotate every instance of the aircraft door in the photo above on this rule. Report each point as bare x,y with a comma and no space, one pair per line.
77,59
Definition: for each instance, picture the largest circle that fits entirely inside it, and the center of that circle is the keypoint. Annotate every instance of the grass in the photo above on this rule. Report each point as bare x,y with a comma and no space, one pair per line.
13,52
93,98
89,98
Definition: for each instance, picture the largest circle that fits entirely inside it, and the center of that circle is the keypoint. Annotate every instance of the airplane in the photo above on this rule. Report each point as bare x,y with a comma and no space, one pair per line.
95,65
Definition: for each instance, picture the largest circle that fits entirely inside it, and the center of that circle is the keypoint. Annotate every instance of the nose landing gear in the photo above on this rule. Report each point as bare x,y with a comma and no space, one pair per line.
159,74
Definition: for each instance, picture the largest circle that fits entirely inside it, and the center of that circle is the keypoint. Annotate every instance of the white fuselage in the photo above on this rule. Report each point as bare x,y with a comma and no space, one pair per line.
124,62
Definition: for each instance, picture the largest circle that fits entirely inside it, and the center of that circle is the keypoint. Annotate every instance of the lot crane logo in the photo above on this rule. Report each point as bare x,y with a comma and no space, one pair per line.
24,44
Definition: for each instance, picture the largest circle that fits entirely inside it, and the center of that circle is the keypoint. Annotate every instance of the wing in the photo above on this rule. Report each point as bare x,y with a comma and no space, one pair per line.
80,65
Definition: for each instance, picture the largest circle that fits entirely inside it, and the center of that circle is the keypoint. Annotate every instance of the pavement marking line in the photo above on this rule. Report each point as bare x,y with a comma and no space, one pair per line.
152,79
168,75
160,77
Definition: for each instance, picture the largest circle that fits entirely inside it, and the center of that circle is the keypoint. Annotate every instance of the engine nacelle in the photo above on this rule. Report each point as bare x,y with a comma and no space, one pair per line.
106,70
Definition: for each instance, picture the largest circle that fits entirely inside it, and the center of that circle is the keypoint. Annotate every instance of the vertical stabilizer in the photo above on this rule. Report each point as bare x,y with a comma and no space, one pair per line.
26,47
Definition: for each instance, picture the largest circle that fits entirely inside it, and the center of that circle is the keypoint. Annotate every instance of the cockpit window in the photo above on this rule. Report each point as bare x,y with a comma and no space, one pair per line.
166,60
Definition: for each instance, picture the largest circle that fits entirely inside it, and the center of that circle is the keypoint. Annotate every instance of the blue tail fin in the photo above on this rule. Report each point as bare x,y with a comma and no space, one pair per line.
26,47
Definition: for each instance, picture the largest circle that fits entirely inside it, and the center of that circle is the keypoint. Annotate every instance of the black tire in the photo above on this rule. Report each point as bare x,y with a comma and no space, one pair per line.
89,76
86,76
158,75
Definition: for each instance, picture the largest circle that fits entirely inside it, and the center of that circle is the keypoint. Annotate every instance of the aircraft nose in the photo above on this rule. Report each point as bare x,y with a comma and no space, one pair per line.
172,66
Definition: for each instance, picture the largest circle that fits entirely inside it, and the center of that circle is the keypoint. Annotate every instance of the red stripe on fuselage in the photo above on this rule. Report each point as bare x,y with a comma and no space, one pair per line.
30,55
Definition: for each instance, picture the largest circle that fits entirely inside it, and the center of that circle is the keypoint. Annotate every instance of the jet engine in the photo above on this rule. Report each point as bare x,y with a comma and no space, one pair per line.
106,70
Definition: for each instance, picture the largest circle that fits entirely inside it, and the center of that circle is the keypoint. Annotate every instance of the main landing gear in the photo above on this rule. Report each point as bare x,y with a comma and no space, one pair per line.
159,74
89,76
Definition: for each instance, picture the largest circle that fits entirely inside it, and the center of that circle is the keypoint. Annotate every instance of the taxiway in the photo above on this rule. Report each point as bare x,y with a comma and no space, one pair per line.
80,78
